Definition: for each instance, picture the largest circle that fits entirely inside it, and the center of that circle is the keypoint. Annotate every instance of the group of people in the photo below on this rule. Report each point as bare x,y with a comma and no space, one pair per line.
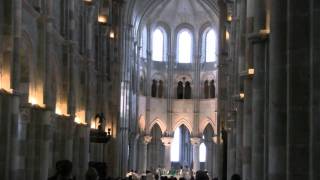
64,172
182,174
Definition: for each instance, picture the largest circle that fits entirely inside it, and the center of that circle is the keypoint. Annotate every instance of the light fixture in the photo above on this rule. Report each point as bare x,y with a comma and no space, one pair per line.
102,19
251,71
229,18
112,35
227,35
264,31
88,2
33,101
241,95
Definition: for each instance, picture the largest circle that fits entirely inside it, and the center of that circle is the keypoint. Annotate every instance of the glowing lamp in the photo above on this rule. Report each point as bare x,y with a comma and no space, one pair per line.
102,19
88,2
241,95
229,18
227,35
251,71
33,101
111,35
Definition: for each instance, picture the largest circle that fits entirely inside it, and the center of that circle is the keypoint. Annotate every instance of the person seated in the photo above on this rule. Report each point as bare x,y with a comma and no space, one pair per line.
63,171
235,177
202,175
92,174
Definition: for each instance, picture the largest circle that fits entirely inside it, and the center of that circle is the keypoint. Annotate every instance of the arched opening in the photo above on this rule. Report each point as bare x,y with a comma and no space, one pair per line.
206,89
187,91
212,89
181,149
155,148
207,164
184,46
160,89
211,46
154,88
180,90
157,45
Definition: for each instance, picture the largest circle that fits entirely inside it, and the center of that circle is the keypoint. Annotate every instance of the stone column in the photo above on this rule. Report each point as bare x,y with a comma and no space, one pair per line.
278,92
133,152
167,151
39,136
298,89
81,150
209,157
195,141
145,141
257,38
315,133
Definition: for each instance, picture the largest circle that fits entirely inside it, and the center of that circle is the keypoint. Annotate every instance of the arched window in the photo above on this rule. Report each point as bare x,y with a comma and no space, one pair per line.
184,46
143,41
206,89
175,146
157,45
212,89
154,88
211,46
202,152
187,91
180,90
160,89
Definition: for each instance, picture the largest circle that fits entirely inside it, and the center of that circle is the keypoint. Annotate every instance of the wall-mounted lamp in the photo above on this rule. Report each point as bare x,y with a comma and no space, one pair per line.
102,19
251,71
241,95
227,35
88,2
229,18
111,34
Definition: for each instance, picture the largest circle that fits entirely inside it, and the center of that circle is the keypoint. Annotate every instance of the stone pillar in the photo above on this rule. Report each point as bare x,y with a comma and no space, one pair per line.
167,151
133,152
257,38
209,157
145,141
195,141
81,151
298,89
315,133
39,137
63,139
278,92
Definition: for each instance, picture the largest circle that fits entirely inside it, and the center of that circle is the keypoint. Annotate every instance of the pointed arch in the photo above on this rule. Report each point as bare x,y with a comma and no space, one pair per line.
185,123
208,122
158,122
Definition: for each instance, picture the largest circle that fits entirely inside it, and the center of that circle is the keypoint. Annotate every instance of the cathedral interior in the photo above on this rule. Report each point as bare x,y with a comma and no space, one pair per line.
220,86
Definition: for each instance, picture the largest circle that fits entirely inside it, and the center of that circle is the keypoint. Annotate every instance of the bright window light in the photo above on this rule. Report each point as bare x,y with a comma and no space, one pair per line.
184,46
211,46
144,43
203,152
157,45
175,146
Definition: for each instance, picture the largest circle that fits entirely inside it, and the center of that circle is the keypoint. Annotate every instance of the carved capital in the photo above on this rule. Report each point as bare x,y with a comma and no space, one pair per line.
195,141
147,139
166,141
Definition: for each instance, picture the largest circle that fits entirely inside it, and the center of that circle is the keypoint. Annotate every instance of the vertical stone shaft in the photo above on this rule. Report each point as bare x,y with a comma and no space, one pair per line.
247,116
298,50
315,103
258,85
195,152
277,92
